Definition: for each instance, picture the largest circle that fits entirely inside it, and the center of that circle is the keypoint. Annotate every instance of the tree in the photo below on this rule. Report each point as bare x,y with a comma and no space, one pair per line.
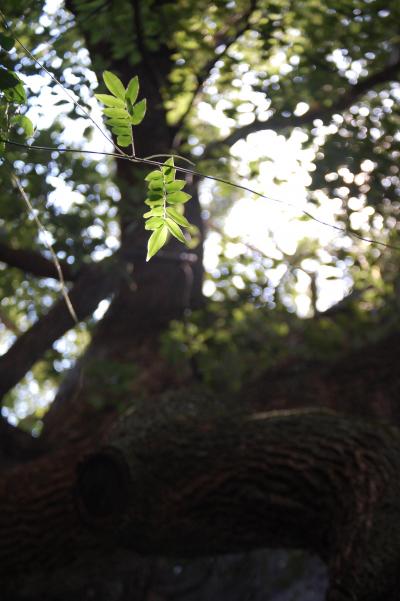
137,455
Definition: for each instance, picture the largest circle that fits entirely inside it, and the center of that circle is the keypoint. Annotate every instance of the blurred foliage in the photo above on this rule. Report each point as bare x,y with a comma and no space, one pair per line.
247,61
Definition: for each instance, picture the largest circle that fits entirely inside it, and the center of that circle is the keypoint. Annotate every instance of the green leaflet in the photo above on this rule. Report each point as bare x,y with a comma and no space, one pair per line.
156,184
124,141
178,197
157,211
165,190
175,230
109,100
114,84
132,90
138,112
177,217
153,203
175,186
11,86
122,131
168,171
153,223
116,113
154,175
156,241
121,108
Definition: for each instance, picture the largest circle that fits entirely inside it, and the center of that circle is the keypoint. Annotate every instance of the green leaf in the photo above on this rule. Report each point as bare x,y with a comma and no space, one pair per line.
6,42
124,140
8,79
153,223
168,171
181,219
114,122
157,174
156,212
114,84
121,131
116,113
156,241
132,90
25,123
154,203
155,195
178,197
175,230
138,112
16,94
175,186
109,100
156,184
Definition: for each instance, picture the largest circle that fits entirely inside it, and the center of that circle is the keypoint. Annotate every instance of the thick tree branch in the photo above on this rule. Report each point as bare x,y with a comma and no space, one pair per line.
15,445
178,478
363,382
95,283
279,122
34,263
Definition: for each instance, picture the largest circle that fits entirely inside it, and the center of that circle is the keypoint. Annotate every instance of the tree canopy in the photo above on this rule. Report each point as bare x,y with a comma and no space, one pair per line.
96,339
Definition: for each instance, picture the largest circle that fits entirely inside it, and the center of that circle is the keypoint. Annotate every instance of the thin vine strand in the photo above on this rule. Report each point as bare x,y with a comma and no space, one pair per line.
153,163
42,229
147,161
66,91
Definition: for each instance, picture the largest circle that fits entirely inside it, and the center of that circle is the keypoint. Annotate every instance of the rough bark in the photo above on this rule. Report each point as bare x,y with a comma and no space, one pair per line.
178,478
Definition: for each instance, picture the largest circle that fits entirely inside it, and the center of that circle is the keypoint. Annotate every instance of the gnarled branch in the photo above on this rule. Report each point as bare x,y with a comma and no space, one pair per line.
34,263
177,478
95,283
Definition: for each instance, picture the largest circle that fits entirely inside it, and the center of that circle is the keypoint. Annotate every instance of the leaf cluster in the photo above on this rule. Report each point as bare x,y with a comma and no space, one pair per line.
165,199
12,95
121,108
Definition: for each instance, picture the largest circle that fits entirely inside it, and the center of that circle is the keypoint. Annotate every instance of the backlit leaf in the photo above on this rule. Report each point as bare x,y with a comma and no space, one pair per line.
118,122
156,212
175,186
154,203
175,230
178,197
122,131
116,113
114,84
138,112
168,170
109,100
156,241
181,219
153,223
124,140
153,175
132,90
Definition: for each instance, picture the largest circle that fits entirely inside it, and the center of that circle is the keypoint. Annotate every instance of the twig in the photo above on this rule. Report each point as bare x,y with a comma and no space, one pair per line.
122,154
42,229
215,178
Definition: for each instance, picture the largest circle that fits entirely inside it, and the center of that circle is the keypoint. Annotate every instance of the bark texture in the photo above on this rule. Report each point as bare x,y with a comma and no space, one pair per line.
181,479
